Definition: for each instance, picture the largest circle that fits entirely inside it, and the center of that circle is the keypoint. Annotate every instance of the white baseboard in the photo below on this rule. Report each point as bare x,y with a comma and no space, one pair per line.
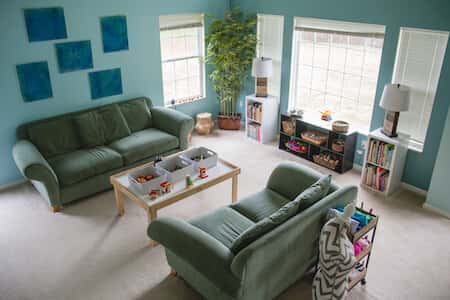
12,184
436,210
414,189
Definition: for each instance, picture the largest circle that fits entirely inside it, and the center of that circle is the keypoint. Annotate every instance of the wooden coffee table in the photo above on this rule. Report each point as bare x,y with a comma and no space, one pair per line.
223,171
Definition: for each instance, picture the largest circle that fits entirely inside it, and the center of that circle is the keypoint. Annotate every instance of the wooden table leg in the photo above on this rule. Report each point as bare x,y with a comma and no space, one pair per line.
119,201
152,214
234,188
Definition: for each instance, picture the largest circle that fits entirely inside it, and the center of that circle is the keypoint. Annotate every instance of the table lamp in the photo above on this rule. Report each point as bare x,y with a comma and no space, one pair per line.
395,99
262,69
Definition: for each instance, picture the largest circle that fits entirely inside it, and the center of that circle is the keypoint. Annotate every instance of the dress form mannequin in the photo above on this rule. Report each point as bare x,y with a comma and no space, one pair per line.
336,259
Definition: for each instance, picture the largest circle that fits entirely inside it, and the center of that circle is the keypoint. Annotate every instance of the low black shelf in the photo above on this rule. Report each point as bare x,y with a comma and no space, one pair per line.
322,154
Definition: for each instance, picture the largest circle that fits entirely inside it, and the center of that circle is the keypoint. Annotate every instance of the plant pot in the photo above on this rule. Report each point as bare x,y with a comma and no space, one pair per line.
229,122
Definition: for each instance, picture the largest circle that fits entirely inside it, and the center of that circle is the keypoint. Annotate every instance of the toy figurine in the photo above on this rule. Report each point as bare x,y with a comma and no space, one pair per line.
202,171
154,194
326,115
166,187
189,182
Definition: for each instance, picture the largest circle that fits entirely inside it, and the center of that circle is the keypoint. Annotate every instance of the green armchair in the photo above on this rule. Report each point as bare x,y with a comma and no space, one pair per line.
201,252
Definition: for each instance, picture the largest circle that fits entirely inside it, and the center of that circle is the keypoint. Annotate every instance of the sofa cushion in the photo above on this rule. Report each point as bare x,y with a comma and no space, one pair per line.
76,166
260,205
264,226
224,224
114,124
314,193
137,114
143,144
90,129
54,137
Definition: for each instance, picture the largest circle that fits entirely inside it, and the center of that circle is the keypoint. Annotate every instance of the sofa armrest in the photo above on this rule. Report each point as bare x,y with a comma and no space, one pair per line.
173,122
35,167
295,239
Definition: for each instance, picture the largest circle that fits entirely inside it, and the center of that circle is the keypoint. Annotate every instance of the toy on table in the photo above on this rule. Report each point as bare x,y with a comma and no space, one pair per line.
202,171
166,187
326,115
189,181
154,193
144,178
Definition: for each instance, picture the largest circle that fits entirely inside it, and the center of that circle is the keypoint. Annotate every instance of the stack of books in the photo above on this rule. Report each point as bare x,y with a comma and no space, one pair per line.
254,131
380,153
376,177
254,111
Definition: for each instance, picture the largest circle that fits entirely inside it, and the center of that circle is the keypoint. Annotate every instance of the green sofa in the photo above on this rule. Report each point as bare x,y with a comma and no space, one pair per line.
201,250
72,156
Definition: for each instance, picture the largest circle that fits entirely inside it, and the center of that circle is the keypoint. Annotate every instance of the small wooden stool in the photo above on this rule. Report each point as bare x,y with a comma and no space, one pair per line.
204,125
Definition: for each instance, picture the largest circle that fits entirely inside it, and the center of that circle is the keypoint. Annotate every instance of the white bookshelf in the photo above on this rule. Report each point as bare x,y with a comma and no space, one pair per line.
266,120
393,167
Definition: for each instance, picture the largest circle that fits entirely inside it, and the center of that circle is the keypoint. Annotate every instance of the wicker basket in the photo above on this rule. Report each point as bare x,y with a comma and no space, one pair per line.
326,160
338,145
289,127
340,126
314,137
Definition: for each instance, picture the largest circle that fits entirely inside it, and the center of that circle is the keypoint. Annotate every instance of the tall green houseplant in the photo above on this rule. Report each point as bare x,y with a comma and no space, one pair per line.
231,47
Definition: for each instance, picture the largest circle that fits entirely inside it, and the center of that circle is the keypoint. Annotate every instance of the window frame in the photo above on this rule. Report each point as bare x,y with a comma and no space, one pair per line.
344,27
201,57
414,144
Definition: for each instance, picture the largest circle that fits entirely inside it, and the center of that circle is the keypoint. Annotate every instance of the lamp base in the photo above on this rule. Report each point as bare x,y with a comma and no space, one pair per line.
261,87
390,124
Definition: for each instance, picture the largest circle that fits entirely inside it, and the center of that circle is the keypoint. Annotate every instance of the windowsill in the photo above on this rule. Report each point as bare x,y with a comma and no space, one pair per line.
415,147
184,103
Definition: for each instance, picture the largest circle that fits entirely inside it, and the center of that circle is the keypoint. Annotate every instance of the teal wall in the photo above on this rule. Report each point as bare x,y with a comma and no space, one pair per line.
431,14
141,67
438,194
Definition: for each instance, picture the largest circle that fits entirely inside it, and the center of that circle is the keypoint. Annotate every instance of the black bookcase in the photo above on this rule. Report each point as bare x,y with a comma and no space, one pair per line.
310,150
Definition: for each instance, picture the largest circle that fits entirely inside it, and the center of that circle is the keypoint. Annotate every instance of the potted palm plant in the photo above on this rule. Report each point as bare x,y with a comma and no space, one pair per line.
231,46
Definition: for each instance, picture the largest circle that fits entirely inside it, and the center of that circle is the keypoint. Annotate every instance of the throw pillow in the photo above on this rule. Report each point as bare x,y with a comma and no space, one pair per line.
137,114
114,124
90,129
264,226
314,193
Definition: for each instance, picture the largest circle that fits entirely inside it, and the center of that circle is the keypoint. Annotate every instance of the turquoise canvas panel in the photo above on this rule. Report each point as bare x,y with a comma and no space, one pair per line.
44,24
114,33
34,81
73,56
105,83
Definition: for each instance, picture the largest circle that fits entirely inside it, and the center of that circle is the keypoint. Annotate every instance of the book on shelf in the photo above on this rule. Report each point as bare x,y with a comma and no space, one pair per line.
254,111
376,177
380,153
254,131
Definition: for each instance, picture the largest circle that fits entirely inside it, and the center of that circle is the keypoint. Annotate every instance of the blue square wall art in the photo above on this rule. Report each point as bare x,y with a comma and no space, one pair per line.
73,56
105,83
34,81
114,33
44,24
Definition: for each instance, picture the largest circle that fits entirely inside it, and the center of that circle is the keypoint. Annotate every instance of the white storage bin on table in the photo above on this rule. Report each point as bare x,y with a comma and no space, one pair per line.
177,168
144,188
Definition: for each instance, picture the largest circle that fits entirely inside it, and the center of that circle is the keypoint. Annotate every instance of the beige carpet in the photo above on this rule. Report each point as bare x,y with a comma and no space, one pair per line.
86,252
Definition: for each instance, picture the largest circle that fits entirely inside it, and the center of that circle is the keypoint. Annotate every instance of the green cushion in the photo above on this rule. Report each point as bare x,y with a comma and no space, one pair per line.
143,144
90,129
137,114
314,193
76,166
260,205
224,224
264,226
114,125
54,137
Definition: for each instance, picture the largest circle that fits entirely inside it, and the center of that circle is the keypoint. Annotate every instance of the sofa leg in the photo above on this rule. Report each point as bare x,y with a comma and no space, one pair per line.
173,273
56,209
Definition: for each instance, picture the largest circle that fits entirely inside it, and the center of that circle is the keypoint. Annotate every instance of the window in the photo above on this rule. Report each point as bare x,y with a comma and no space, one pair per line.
335,67
420,54
270,37
182,57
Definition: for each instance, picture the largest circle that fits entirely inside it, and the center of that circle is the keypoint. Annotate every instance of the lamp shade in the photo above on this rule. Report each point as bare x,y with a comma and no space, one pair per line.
262,67
395,98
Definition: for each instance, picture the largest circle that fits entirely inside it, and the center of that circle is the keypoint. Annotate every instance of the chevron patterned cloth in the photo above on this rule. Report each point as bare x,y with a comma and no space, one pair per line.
336,261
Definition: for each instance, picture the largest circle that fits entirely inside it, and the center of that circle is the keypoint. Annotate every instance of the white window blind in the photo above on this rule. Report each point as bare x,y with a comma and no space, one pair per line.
182,57
335,67
418,64
270,44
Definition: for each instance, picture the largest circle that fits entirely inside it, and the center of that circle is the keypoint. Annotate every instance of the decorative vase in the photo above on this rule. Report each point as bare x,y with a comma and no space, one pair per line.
229,122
